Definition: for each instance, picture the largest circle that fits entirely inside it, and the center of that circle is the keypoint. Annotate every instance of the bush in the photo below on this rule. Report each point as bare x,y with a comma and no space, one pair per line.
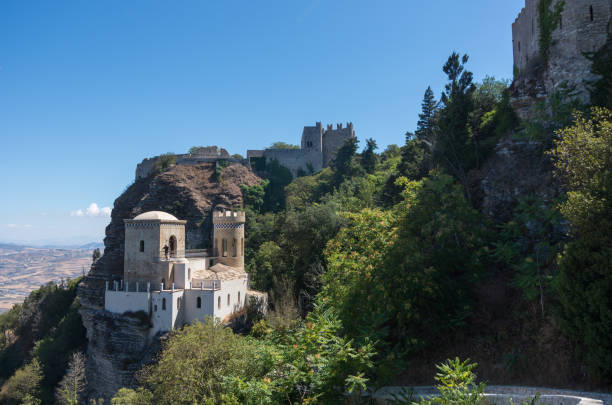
164,162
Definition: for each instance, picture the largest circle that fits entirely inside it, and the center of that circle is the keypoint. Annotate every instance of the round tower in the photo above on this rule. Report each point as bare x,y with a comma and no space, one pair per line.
228,238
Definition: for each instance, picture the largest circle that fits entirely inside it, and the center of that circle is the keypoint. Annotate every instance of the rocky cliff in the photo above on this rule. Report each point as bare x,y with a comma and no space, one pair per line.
119,345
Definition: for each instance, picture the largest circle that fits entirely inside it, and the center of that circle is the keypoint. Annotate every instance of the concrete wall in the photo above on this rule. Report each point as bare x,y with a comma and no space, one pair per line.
119,302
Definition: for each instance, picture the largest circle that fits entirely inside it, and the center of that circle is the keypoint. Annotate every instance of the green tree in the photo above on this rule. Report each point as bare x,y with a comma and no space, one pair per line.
583,159
95,255
283,145
24,384
344,165
453,147
424,131
279,177
369,159
128,396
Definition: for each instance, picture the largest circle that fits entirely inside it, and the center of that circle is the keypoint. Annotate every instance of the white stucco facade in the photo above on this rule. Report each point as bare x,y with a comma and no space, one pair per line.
184,286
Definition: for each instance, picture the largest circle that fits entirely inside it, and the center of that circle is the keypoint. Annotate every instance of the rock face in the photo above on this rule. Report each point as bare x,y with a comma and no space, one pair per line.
517,169
118,346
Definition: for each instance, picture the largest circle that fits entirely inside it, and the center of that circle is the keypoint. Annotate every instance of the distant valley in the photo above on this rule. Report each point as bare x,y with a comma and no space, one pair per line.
25,268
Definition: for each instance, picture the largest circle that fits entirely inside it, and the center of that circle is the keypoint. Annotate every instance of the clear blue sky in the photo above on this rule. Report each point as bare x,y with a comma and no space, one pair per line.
90,88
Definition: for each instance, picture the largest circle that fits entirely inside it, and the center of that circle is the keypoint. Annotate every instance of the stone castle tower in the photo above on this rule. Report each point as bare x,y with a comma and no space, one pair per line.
583,27
228,236
317,150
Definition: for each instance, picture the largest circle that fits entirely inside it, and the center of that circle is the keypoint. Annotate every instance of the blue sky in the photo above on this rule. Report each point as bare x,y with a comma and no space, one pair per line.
90,88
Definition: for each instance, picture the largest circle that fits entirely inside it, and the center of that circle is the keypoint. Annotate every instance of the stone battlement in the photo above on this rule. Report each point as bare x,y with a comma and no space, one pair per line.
228,217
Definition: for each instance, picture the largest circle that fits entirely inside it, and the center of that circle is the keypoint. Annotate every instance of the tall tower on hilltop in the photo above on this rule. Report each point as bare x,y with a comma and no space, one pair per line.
228,236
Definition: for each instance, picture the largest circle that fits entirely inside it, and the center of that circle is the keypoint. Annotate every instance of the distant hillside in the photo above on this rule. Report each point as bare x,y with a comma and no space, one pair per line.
24,269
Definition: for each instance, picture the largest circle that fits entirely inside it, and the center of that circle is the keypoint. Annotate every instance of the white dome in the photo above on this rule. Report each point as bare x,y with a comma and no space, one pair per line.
155,215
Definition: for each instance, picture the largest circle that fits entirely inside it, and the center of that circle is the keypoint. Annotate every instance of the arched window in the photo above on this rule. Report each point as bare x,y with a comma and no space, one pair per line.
241,246
234,248
163,304
224,248
142,245
219,302
172,243
591,13
228,300
199,302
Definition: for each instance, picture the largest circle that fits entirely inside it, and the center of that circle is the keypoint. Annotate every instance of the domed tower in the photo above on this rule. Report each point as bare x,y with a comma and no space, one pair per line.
154,241
228,238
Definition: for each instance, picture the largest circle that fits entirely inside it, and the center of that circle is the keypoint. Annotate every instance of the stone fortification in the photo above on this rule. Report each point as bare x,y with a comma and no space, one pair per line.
583,27
205,154
318,148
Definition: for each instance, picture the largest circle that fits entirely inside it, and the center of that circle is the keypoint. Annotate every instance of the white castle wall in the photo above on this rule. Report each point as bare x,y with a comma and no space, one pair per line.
119,302
231,288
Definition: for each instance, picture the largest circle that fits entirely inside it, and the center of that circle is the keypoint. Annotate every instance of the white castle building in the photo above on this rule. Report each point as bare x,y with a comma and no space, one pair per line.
175,286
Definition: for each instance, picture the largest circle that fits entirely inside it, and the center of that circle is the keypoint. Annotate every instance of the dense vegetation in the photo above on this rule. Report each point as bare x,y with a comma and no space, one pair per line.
379,257
37,339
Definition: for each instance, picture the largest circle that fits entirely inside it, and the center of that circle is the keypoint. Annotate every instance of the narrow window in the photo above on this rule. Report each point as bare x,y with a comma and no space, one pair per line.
238,297
219,302
228,300
199,302
189,273
224,248
233,247
155,308
241,246
163,304
591,13
178,302
216,253
142,245
519,44
163,283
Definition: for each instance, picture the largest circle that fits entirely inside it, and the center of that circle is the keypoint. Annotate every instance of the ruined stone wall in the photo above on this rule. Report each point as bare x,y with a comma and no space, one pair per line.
525,34
583,28
333,139
294,159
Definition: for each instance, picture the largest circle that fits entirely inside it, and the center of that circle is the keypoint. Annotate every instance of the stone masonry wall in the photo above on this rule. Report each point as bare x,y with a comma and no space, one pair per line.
583,28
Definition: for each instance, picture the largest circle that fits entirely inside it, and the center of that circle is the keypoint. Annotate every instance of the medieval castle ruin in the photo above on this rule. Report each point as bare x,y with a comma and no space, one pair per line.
318,149
583,28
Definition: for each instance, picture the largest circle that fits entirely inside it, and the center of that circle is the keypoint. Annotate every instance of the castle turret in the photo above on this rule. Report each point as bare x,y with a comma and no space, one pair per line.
228,238
154,241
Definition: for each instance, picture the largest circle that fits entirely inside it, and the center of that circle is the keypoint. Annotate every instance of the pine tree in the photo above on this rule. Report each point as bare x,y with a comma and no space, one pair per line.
429,105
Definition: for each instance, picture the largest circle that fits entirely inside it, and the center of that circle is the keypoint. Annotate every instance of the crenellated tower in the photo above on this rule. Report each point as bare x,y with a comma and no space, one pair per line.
228,237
